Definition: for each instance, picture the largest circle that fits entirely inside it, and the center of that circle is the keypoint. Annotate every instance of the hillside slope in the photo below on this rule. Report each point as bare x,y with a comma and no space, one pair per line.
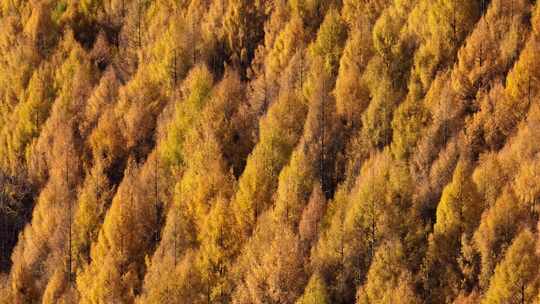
269,151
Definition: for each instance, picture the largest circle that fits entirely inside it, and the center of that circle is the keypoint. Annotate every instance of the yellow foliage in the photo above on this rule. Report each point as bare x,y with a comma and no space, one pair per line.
515,277
330,40
279,131
388,280
315,292
196,91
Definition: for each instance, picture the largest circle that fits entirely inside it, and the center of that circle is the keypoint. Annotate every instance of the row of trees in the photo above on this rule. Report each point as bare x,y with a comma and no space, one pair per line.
301,151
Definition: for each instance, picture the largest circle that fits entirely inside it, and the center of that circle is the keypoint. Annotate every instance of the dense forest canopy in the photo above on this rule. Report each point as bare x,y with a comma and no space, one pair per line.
269,151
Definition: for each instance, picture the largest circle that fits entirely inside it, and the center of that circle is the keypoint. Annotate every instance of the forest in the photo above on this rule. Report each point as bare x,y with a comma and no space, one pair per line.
269,151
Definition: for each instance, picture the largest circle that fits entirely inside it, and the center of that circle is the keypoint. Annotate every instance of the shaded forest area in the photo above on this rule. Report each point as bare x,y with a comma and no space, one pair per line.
269,151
